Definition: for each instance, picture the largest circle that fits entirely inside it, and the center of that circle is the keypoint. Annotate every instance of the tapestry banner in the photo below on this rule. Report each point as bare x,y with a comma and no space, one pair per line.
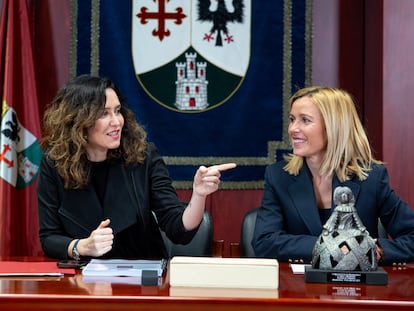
209,80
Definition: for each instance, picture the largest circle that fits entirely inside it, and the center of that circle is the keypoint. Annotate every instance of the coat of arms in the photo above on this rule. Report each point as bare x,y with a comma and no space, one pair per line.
191,56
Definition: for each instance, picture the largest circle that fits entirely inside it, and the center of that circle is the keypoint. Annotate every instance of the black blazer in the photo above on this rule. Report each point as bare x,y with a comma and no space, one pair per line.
132,194
288,222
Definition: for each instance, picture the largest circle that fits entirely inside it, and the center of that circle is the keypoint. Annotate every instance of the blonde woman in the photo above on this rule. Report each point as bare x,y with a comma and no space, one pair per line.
330,149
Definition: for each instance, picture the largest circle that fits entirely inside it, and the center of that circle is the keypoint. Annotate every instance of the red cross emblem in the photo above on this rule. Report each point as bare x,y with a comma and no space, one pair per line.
3,156
161,16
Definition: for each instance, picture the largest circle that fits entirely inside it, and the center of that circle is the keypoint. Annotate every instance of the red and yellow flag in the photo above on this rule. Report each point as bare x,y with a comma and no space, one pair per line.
20,132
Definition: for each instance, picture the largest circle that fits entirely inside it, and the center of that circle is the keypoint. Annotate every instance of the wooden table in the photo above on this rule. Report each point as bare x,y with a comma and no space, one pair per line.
72,293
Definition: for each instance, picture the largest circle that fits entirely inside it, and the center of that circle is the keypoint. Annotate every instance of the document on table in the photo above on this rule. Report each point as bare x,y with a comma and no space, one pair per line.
298,268
30,268
123,267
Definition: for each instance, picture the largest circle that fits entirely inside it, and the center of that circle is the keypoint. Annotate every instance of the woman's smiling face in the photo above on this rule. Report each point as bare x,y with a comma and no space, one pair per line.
307,129
106,132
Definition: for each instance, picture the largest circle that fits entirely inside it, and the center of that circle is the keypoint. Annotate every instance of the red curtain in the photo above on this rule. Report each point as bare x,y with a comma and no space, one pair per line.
19,136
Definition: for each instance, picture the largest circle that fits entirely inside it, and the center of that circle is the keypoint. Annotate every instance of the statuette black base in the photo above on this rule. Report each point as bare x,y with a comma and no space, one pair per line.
377,277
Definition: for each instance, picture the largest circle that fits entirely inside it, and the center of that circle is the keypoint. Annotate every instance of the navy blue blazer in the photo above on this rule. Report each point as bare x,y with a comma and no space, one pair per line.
288,221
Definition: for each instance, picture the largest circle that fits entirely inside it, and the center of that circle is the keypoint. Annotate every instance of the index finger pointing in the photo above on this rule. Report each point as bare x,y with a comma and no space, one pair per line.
225,166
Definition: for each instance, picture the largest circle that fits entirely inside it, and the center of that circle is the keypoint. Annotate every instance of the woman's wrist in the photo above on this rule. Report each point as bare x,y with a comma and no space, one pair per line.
73,249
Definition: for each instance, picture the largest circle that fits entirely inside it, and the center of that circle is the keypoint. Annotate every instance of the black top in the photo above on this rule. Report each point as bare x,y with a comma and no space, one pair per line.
99,173
324,214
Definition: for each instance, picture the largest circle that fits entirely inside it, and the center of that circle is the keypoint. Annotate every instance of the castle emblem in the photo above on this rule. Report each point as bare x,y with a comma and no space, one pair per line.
191,84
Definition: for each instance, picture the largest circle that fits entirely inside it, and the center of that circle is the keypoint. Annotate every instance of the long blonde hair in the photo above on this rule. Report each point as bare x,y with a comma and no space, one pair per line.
348,150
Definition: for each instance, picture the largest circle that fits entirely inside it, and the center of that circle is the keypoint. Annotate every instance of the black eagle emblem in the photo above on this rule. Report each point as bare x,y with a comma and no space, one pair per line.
13,131
220,17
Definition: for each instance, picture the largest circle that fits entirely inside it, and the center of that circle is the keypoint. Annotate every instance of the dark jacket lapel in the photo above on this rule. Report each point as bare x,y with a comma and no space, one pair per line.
122,197
83,209
303,197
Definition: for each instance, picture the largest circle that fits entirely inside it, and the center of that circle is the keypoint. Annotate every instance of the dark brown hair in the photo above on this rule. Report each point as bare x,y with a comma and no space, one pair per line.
67,120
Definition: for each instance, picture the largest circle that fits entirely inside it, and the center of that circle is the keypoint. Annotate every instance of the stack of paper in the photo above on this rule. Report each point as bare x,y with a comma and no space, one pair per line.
224,272
123,267
192,291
